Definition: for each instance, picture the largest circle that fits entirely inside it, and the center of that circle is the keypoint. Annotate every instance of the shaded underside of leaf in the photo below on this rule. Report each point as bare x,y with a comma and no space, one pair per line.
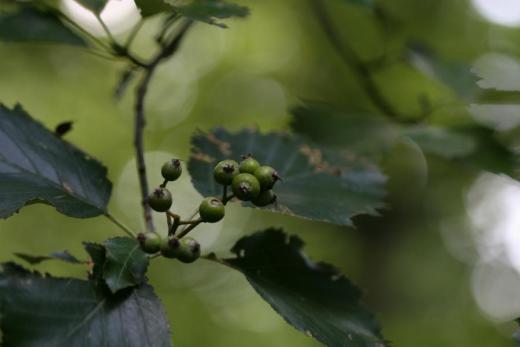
65,312
37,166
318,183
31,25
125,264
313,297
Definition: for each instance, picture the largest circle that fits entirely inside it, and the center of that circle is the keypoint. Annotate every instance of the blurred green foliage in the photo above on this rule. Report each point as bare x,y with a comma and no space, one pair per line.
253,74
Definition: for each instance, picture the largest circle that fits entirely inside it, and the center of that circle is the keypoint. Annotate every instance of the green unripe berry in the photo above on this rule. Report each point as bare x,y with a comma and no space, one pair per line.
150,242
248,164
245,187
171,170
225,171
170,247
160,200
211,210
266,176
189,250
265,198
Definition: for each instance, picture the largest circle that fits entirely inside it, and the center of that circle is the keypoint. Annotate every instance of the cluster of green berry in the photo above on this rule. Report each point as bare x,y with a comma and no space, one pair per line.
249,181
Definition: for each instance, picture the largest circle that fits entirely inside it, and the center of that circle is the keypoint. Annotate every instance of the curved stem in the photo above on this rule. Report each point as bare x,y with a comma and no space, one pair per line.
350,57
120,225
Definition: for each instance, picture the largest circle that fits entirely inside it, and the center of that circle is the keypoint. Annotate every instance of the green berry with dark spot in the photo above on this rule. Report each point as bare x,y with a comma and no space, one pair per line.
265,198
211,210
248,164
189,250
150,242
245,187
170,247
160,200
171,170
267,177
225,171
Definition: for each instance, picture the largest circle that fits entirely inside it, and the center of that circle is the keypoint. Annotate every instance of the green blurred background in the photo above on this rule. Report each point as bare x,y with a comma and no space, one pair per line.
419,262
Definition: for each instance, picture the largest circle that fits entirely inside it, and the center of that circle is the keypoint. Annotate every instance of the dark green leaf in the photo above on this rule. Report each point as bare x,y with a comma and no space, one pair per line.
37,166
35,259
66,312
455,76
152,7
95,6
318,183
209,11
97,255
125,263
313,297
30,25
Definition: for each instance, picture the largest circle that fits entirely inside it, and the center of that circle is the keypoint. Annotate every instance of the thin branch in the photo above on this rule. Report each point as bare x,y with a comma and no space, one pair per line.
350,57
140,123
120,225
139,146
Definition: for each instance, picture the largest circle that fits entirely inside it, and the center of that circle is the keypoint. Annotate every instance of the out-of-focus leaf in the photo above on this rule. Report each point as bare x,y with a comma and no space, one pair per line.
74,313
355,130
441,142
318,183
95,6
313,297
152,7
37,166
498,71
35,259
30,25
374,135
500,117
367,3
455,76
209,11
125,264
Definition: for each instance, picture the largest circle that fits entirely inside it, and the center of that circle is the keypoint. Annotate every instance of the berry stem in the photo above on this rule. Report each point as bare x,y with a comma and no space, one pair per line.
163,185
189,222
169,221
120,225
185,231
176,222
228,198
224,193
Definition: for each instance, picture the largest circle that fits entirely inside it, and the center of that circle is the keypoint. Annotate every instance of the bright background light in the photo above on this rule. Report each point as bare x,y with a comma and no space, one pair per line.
502,12
119,15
